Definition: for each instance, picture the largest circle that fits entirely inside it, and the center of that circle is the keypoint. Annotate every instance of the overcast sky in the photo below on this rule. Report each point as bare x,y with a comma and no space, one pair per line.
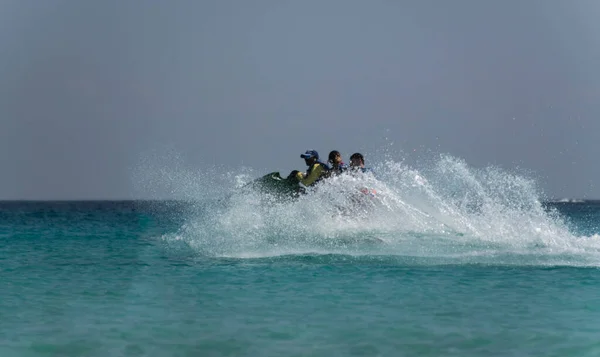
89,87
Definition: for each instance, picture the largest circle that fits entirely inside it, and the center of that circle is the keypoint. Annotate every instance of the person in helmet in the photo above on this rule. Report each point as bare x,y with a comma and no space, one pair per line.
317,170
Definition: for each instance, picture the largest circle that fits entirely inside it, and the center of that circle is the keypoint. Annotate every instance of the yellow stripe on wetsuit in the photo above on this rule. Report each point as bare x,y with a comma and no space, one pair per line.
315,174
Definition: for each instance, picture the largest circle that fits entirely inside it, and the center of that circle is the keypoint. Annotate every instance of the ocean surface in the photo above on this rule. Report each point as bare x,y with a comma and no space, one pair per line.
449,262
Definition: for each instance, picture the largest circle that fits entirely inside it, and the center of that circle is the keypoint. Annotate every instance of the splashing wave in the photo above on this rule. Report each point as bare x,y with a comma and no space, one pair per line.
446,212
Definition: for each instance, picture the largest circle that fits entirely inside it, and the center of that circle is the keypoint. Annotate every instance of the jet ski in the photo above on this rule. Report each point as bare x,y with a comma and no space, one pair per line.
274,184
288,188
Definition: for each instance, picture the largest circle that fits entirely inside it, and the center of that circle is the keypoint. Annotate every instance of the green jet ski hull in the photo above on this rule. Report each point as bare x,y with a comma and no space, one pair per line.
276,185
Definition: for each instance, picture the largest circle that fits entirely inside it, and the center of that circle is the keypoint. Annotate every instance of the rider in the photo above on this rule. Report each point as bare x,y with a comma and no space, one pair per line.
337,166
316,169
357,162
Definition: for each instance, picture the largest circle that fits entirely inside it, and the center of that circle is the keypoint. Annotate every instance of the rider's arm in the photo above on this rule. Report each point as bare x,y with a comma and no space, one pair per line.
315,173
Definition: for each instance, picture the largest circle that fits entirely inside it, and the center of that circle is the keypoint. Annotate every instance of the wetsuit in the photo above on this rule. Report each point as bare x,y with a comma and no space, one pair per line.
339,169
314,173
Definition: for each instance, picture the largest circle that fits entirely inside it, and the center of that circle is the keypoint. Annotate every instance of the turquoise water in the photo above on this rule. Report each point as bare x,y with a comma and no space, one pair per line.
484,269
92,279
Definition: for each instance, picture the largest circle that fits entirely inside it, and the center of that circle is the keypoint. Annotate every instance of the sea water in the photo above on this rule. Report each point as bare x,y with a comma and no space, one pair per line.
446,260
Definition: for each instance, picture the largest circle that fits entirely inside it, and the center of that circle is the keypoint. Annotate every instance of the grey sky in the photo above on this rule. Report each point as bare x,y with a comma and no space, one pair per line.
88,87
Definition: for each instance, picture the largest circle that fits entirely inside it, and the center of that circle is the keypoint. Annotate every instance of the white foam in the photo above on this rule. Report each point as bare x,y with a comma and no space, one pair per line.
447,209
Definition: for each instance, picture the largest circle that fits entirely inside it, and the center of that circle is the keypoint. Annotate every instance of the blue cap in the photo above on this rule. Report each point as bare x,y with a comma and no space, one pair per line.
310,153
